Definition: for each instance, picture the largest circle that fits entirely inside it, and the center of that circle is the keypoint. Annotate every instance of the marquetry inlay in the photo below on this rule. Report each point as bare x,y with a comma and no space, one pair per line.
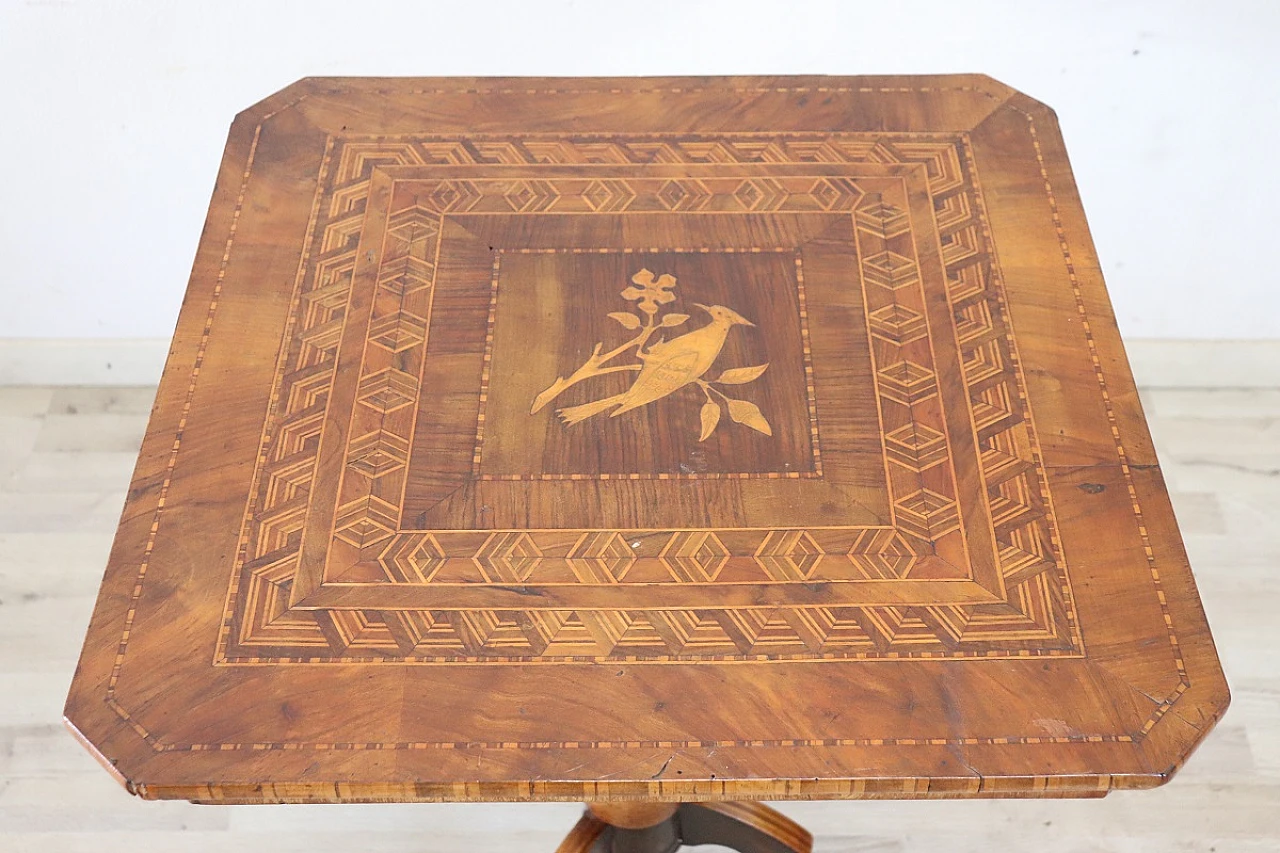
431,287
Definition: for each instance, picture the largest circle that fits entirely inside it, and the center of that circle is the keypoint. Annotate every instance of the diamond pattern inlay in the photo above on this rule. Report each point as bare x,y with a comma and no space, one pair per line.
366,521
907,382
378,454
891,270
916,446
601,557
510,557
399,331
695,556
883,219
898,323
927,514
388,390
789,555
882,555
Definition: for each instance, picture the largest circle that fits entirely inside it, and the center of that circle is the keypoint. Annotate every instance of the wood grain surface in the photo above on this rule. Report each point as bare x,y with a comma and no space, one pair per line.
861,502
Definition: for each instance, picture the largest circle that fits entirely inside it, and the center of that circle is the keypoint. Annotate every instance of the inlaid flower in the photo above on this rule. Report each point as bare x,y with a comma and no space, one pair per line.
651,291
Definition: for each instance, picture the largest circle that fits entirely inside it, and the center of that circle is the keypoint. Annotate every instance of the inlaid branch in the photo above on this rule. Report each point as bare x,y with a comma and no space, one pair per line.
593,367
650,293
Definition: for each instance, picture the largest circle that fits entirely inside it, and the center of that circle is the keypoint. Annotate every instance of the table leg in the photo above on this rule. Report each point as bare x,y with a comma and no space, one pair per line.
582,838
745,827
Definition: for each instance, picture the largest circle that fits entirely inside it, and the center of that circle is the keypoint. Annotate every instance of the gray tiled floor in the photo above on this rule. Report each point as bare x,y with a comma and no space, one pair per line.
65,459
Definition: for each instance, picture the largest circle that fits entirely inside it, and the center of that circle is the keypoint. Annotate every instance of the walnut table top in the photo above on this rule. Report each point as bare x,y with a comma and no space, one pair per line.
664,439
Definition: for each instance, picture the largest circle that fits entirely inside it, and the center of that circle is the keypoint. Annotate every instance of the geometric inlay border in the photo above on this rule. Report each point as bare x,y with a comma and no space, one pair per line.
1036,618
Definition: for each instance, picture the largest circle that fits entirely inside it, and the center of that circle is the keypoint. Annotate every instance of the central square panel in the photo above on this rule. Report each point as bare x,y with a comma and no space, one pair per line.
705,353
753,405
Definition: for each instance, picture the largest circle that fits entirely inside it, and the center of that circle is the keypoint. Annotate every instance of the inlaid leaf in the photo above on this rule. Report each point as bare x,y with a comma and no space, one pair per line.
748,414
710,417
674,319
741,375
628,321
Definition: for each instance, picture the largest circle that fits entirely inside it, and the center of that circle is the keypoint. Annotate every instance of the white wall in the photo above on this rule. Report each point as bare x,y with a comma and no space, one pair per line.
114,116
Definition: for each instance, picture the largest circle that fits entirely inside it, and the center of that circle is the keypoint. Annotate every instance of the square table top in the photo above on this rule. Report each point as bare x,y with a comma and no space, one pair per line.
645,438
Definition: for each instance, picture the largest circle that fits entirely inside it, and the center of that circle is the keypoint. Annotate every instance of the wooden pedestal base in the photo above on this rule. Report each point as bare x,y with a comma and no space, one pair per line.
654,828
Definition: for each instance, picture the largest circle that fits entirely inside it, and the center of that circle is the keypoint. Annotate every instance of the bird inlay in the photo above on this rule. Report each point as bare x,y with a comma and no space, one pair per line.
665,366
